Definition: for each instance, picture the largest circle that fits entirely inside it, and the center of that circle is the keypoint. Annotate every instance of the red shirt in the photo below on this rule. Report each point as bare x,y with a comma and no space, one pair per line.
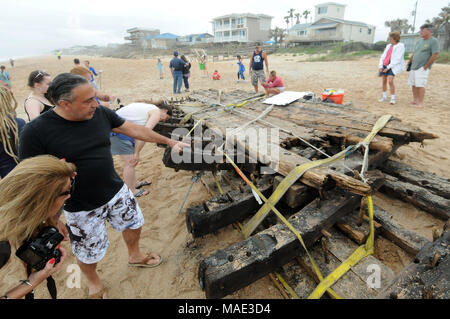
277,82
216,76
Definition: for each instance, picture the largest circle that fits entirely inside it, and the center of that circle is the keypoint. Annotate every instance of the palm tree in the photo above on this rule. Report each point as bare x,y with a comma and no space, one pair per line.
399,25
442,22
291,15
306,13
297,15
286,18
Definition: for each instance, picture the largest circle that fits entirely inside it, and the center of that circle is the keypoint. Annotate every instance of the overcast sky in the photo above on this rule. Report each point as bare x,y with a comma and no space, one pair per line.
30,27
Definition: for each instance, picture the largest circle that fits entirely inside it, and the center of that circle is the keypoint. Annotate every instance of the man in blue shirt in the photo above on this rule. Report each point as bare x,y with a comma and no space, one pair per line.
176,67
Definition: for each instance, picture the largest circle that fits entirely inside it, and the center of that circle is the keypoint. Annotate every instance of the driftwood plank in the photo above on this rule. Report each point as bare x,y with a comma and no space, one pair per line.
428,277
409,241
223,210
418,196
430,181
297,195
235,267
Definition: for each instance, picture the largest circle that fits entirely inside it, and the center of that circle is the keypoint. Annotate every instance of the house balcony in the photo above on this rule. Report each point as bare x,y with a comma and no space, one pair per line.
231,38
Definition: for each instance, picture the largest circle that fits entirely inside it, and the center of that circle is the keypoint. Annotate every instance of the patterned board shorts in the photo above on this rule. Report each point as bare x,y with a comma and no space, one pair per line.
258,74
87,229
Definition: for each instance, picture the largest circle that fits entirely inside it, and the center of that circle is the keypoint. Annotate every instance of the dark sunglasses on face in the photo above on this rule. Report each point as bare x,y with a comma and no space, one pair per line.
70,191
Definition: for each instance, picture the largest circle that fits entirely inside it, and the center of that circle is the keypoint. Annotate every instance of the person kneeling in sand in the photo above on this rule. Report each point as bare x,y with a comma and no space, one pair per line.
274,84
144,114
216,75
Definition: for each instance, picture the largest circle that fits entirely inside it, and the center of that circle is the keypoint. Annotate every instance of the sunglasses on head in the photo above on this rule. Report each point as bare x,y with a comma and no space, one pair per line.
40,73
70,191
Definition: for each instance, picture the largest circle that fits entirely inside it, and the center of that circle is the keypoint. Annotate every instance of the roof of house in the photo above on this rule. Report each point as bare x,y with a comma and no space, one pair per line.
238,15
300,26
341,21
166,36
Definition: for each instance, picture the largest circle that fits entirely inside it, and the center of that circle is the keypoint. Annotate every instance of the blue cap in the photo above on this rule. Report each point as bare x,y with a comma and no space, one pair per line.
175,53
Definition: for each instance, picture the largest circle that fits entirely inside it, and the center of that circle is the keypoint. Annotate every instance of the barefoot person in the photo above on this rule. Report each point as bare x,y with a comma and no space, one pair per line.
256,69
425,53
274,84
144,114
392,62
78,129
37,102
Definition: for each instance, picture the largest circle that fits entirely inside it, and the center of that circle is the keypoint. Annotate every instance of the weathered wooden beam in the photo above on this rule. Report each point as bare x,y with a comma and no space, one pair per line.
409,241
237,266
418,196
223,210
430,181
428,277
297,195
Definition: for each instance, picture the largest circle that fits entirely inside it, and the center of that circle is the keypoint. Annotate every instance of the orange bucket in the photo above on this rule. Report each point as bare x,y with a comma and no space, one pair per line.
336,98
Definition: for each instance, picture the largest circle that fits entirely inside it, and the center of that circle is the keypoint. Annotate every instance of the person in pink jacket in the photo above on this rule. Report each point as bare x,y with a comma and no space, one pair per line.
391,63
274,84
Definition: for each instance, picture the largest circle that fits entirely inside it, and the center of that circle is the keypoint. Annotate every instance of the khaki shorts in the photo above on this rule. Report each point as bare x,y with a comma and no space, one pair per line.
258,74
87,229
418,78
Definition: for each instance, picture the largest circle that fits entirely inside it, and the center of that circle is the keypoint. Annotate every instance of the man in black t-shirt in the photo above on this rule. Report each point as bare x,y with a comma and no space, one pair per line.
78,130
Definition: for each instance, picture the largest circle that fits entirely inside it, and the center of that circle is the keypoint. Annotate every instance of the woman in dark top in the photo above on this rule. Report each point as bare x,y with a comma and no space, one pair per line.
37,102
186,72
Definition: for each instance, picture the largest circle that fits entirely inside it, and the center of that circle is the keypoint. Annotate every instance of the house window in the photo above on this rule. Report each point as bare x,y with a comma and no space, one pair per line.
218,34
226,34
301,33
360,30
322,10
369,31
226,22
242,33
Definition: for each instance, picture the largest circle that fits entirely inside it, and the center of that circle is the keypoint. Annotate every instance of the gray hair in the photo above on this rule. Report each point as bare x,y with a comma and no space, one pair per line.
62,87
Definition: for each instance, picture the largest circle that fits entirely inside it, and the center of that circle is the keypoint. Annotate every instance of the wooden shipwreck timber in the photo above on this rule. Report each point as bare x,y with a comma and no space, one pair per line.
326,205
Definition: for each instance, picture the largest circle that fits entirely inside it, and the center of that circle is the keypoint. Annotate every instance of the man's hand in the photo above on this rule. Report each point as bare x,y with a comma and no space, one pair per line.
178,146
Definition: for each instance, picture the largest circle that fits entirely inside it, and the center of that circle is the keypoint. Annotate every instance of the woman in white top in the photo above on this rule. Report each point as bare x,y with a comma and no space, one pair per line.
142,114
392,62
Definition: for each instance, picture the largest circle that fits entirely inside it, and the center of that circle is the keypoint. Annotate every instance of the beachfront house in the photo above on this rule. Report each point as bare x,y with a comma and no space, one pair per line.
192,39
162,41
330,26
137,36
242,27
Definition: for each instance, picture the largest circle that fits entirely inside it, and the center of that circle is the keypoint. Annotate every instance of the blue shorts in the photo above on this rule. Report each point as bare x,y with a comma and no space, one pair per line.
387,73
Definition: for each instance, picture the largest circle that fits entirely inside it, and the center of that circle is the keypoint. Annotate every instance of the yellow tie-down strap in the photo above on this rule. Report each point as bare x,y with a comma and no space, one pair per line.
292,177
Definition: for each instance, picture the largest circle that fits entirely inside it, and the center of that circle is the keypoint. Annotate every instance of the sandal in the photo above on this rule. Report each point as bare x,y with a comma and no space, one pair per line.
144,264
141,192
143,183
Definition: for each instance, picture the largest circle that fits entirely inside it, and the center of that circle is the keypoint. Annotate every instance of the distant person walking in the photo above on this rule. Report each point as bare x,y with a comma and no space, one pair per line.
392,62
5,78
38,101
256,69
425,53
240,74
160,69
186,72
58,54
11,61
177,67
92,70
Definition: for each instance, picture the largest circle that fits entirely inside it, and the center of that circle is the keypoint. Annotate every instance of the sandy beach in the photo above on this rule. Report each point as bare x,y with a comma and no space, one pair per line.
165,231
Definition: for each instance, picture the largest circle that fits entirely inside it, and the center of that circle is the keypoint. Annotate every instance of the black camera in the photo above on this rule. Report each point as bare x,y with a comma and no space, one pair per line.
38,251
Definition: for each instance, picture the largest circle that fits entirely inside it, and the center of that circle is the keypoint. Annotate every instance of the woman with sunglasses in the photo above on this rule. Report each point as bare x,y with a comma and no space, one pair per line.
31,197
38,102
